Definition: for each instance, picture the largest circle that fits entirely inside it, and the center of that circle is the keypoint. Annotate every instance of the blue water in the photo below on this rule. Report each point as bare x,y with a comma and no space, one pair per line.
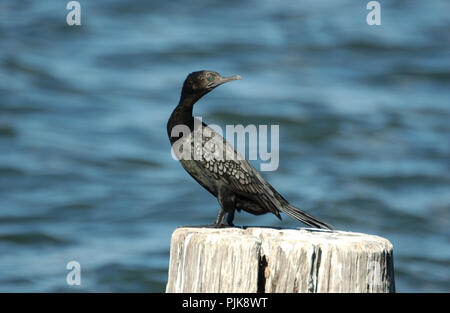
85,166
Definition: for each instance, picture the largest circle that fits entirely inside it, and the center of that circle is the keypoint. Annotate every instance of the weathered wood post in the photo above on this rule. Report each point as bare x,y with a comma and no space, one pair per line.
278,260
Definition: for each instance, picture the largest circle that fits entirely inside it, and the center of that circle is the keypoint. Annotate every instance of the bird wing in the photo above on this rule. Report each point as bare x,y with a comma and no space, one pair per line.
221,160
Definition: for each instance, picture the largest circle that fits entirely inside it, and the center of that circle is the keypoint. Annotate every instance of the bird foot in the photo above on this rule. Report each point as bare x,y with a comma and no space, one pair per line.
222,225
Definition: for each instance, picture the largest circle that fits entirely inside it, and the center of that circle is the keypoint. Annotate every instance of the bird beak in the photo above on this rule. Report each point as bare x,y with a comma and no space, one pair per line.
228,79
224,80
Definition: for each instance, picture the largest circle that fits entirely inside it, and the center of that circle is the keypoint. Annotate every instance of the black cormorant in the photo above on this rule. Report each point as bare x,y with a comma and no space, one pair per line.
233,181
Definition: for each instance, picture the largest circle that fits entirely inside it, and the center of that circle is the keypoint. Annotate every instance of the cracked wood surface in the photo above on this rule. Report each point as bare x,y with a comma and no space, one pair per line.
278,260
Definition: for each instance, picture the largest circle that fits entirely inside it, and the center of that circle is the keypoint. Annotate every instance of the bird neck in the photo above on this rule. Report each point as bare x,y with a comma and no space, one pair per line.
182,115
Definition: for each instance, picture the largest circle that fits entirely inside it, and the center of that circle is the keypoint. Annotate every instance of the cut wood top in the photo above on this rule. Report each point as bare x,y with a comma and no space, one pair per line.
263,259
309,235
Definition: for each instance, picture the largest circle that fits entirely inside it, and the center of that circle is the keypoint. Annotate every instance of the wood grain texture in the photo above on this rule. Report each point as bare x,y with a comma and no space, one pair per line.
279,260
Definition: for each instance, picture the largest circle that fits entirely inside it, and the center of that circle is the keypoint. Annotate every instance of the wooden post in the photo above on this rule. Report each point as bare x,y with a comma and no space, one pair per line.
278,260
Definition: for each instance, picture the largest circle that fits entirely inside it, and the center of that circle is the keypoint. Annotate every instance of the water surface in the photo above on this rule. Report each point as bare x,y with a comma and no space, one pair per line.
85,166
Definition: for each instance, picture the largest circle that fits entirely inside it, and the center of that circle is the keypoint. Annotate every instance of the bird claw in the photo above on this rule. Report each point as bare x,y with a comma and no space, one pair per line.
222,225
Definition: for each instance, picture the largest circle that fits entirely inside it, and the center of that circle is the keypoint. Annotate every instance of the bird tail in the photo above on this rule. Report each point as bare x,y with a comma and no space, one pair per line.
304,217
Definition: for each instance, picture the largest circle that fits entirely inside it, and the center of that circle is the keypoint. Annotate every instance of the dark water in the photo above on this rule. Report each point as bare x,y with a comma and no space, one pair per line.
85,166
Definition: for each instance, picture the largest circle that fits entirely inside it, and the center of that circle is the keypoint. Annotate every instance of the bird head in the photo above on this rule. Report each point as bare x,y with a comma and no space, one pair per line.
201,82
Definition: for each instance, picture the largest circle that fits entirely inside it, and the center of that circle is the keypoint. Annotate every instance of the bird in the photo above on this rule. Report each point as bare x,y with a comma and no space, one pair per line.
235,183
